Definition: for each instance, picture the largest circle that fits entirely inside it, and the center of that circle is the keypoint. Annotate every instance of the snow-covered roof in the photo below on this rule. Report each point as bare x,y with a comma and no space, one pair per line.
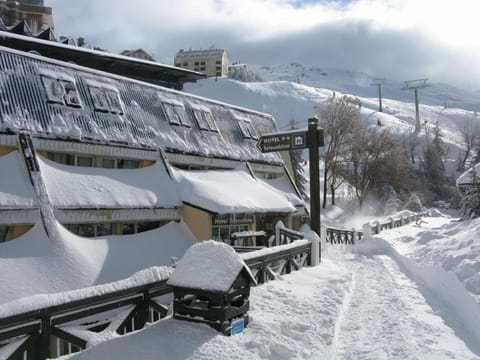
36,264
467,177
64,101
209,265
285,187
84,187
229,191
16,191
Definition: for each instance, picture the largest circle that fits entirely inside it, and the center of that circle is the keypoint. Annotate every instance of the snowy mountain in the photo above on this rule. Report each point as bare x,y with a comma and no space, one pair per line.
292,92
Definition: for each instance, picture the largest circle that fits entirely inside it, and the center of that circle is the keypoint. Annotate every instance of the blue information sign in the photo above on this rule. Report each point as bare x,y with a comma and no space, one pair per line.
237,327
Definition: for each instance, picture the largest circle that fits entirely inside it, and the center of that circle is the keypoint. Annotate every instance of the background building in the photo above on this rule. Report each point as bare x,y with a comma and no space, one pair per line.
33,12
213,62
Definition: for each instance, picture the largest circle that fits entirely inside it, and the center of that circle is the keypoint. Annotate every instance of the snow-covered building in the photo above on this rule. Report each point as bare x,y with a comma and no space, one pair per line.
32,12
110,155
213,62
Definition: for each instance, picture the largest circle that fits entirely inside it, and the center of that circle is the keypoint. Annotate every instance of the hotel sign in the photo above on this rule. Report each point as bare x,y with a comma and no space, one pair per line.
233,219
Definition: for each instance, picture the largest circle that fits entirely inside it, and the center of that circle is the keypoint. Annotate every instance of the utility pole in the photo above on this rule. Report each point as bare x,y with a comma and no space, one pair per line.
379,83
415,85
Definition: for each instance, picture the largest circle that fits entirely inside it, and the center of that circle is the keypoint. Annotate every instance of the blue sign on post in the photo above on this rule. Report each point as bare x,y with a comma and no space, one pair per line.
237,327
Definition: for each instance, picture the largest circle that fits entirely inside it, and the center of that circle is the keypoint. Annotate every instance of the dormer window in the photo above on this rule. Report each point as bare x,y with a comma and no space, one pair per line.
106,99
175,112
204,118
246,126
61,91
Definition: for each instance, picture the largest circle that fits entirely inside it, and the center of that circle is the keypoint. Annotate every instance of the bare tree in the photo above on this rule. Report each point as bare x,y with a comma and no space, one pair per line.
337,119
375,160
469,129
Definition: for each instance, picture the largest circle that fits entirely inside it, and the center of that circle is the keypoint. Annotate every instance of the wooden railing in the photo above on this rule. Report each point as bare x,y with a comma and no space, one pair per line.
267,267
44,333
341,236
286,236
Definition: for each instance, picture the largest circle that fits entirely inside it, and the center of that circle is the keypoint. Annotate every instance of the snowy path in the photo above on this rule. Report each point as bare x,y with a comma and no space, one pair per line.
386,317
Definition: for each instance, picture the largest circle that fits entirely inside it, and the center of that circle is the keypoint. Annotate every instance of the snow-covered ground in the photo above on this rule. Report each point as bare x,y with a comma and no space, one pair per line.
386,298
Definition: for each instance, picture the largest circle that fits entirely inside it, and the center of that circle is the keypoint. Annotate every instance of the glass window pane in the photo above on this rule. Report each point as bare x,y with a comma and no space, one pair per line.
61,158
104,229
3,233
54,89
200,117
128,229
86,230
84,161
128,164
114,102
99,98
108,163
171,114
146,226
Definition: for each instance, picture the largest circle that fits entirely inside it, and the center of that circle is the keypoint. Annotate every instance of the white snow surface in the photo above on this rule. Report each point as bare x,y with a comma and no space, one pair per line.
16,191
86,187
34,264
209,265
375,300
229,191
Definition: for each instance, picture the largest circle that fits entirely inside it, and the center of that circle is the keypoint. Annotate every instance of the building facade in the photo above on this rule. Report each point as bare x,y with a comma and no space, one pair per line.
33,12
213,62
103,154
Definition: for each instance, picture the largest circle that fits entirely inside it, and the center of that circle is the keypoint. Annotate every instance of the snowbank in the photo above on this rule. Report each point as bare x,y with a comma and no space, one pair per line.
16,191
32,264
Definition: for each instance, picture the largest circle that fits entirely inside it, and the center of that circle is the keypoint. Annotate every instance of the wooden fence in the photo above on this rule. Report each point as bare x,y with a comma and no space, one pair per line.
341,236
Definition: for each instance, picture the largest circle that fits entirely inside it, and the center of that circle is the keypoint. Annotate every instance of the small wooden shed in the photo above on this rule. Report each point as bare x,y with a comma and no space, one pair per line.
211,285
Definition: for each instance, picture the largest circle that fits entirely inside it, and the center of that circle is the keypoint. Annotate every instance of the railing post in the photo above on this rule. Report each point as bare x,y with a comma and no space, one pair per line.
367,231
354,236
44,338
288,265
142,312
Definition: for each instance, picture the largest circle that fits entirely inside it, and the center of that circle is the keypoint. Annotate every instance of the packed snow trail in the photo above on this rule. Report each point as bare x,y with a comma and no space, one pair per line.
386,317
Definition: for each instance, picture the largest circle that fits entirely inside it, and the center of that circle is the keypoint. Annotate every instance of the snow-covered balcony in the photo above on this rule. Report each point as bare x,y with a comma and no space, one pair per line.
84,194
229,201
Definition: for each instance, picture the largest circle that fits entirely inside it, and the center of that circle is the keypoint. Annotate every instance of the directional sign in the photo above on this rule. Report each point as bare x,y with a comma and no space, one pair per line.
291,140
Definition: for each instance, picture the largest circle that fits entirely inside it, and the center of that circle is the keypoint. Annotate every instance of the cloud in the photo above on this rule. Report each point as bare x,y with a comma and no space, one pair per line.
401,38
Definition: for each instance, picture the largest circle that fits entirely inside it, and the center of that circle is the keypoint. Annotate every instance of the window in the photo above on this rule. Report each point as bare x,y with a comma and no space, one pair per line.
108,163
61,158
223,233
218,62
85,161
3,233
204,118
128,164
89,161
128,229
185,63
103,229
175,112
246,127
146,226
106,100
178,64
61,91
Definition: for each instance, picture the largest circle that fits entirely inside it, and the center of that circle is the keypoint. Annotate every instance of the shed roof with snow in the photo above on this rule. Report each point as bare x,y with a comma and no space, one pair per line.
211,266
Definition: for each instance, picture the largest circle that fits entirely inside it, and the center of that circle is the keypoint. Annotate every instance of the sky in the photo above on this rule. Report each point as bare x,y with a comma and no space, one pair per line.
398,39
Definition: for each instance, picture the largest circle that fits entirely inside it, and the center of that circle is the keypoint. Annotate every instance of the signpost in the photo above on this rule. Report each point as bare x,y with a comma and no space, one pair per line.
289,140
312,139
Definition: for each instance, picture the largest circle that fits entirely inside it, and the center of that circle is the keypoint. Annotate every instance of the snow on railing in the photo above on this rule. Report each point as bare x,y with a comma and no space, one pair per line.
342,236
48,326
